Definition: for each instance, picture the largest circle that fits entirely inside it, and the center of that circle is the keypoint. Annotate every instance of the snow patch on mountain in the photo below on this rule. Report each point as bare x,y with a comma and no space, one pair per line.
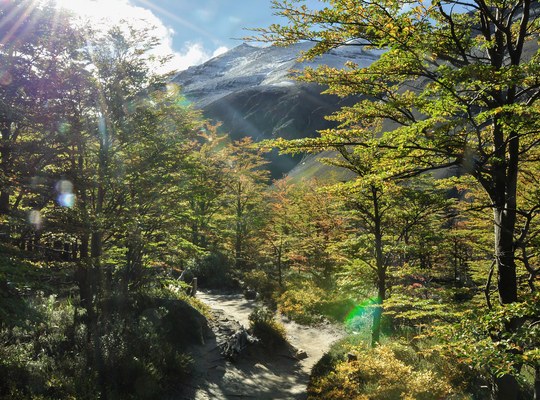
247,66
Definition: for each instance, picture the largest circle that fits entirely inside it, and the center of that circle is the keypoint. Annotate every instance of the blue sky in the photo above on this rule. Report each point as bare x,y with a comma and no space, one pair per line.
213,23
192,30
204,28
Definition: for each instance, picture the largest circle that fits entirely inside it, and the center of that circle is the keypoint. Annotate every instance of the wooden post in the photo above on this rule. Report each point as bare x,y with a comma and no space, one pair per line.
194,287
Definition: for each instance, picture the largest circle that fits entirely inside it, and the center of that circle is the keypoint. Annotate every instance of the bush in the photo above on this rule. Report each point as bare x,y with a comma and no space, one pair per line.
211,271
270,332
141,349
260,282
336,354
308,304
302,304
45,357
387,372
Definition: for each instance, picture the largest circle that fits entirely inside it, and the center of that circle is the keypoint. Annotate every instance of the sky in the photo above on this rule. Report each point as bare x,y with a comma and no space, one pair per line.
192,30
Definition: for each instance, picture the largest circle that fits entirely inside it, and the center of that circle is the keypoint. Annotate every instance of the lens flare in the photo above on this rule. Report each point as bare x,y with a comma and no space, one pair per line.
65,198
34,217
5,78
361,314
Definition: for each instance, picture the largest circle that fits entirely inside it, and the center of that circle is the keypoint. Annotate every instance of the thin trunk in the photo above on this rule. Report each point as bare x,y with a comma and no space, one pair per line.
280,272
238,238
381,271
96,242
84,282
96,250
537,383
4,202
5,166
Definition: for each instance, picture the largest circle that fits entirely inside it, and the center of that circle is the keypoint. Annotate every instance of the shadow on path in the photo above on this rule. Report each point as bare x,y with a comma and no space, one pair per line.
257,374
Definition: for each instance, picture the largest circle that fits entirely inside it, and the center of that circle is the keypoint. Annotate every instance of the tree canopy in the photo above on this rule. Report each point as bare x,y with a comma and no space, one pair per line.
455,87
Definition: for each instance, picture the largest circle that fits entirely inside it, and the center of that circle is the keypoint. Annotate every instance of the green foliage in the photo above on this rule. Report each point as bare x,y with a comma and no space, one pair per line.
142,347
306,303
177,290
45,358
496,343
261,282
453,90
336,354
144,351
264,326
301,304
212,270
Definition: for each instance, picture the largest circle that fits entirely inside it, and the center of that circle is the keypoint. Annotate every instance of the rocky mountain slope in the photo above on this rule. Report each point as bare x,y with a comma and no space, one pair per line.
251,90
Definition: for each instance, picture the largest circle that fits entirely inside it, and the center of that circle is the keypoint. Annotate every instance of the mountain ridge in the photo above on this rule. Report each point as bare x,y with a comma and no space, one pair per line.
252,92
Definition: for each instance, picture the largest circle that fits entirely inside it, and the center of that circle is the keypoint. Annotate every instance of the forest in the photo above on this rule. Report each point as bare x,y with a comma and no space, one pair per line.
421,238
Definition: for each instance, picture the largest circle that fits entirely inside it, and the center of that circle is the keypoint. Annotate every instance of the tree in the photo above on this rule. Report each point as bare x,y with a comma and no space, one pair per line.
246,179
37,50
276,234
124,142
393,227
154,160
318,229
205,186
456,86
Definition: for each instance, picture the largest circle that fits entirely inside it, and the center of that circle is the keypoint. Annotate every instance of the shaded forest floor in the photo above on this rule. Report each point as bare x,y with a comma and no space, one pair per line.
258,373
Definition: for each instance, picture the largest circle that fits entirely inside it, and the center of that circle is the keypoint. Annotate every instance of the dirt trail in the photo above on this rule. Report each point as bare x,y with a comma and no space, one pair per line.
256,375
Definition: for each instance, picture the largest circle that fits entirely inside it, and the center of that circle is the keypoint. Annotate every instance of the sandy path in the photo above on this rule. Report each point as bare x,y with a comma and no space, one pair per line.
257,376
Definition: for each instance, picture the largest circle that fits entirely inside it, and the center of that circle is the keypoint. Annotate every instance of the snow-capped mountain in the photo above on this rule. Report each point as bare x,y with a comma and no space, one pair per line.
252,92
248,66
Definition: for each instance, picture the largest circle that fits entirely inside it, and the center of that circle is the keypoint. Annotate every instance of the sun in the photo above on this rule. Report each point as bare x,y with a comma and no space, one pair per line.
83,8
96,9
80,7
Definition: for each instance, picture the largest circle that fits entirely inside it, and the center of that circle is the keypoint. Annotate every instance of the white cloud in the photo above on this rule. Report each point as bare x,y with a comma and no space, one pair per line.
114,11
194,54
219,51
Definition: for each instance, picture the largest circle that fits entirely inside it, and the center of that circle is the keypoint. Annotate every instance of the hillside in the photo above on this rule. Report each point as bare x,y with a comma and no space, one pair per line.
251,90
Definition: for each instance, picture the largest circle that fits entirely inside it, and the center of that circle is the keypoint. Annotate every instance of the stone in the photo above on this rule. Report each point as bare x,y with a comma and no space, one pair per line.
301,354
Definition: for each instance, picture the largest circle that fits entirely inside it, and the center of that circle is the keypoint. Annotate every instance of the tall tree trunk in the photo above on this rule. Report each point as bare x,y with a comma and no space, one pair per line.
504,197
505,256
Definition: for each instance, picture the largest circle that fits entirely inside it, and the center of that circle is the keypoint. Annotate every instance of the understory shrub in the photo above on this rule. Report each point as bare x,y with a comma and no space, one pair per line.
45,356
307,303
140,343
387,372
336,354
270,332
260,282
211,271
